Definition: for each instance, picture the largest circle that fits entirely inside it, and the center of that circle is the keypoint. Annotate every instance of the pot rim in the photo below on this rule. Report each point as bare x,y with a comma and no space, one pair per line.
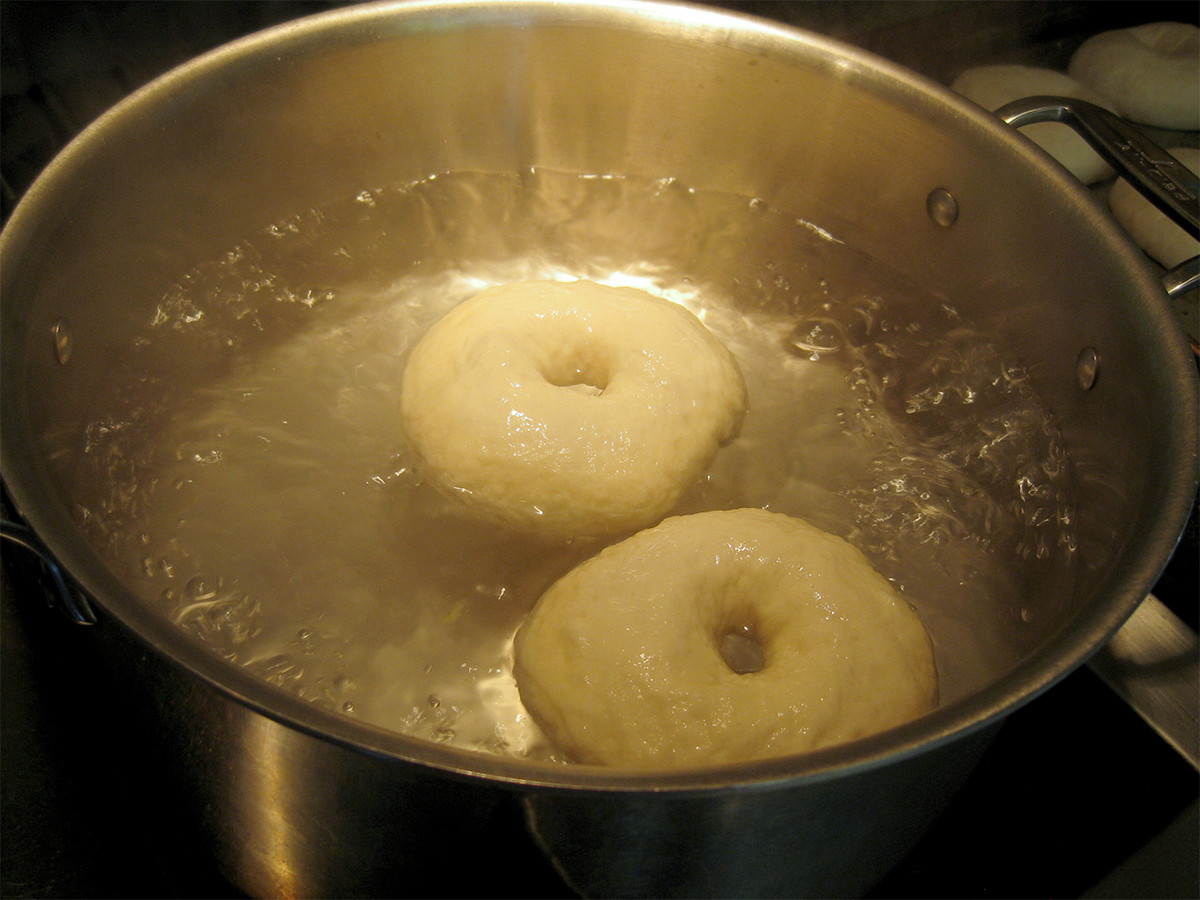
1058,656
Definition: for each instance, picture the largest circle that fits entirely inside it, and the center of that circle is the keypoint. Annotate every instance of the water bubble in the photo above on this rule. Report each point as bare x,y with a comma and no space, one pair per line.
280,670
202,587
234,618
815,337
311,297
284,228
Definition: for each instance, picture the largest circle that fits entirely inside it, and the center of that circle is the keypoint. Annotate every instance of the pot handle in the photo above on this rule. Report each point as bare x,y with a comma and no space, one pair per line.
1162,179
1152,664
1183,278
72,603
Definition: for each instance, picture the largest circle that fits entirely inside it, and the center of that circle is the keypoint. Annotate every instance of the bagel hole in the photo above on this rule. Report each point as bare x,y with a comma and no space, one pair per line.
742,650
585,379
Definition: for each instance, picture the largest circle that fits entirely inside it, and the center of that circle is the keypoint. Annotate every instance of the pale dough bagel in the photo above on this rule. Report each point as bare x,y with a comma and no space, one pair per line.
993,86
569,409
1150,229
621,662
1151,72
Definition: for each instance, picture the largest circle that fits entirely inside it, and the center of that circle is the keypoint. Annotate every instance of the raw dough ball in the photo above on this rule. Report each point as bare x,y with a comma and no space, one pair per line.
1151,72
624,660
569,409
993,86
1150,229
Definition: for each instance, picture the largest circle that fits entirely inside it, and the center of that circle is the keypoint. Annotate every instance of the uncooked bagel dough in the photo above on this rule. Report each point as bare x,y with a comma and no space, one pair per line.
1150,229
569,409
624,660
993,86
1151,72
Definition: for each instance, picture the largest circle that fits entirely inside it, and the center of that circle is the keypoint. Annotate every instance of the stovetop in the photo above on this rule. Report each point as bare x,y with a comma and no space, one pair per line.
1075,797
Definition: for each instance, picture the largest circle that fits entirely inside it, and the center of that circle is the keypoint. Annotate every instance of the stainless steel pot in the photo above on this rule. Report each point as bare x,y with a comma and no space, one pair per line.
296,800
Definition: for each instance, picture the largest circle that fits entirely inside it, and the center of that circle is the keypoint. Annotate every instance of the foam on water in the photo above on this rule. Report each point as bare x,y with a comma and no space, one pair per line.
267,501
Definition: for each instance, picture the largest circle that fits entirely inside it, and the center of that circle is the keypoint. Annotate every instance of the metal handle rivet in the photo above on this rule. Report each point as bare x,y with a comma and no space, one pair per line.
61,332
1086,366
942,207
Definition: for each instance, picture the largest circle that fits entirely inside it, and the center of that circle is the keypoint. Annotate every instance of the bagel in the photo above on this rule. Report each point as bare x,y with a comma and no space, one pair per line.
993,86
1150,228
1151,72
718,637
569,409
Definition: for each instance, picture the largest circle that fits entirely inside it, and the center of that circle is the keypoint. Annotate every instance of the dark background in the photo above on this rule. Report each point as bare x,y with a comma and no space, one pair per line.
1076,797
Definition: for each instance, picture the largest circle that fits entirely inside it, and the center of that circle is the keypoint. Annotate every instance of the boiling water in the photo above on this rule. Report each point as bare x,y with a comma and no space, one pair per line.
268,503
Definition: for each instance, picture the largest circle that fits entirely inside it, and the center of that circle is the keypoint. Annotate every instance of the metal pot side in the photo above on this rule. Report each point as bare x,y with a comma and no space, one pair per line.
295,800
